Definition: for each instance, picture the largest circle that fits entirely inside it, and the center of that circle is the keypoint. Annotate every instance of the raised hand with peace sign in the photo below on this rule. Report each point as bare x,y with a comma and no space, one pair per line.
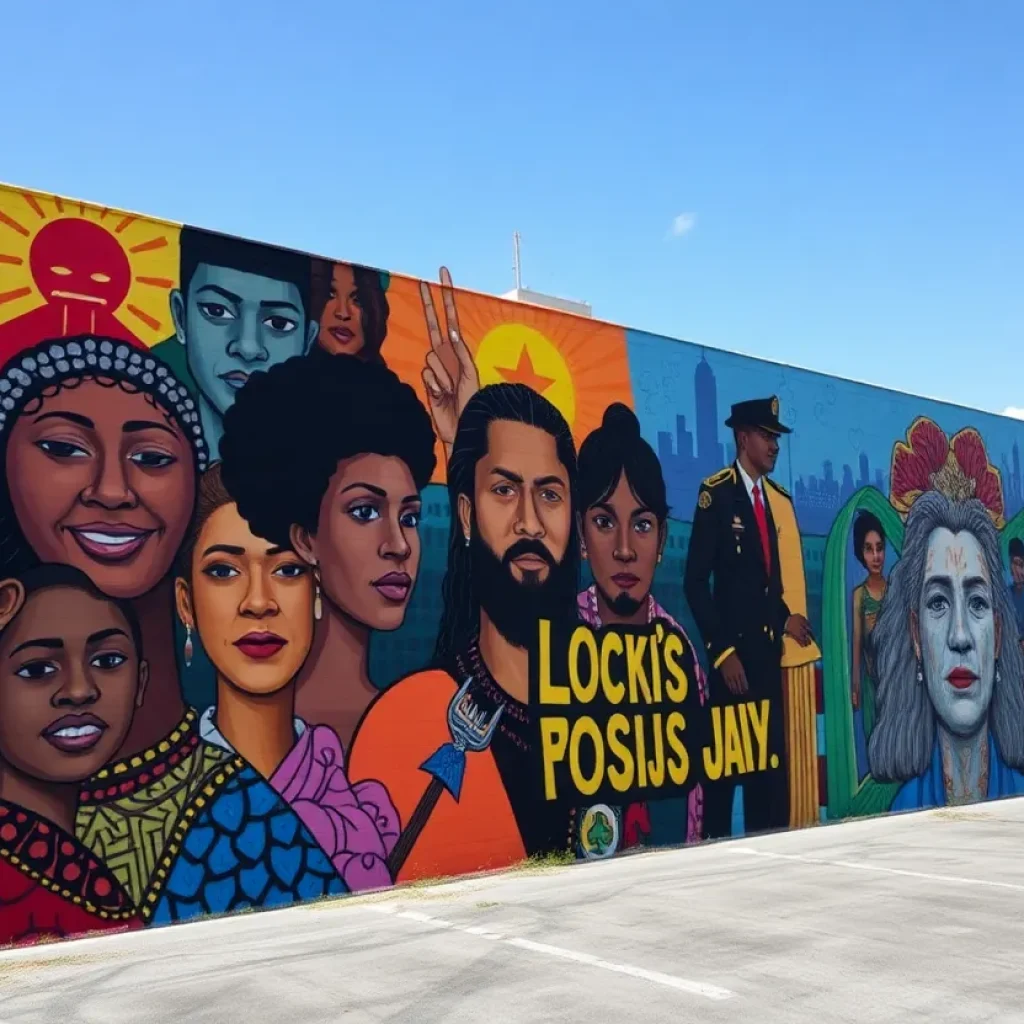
450,375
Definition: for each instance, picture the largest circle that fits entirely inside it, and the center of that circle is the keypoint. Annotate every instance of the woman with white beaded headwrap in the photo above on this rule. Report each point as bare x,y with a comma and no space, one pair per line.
103,447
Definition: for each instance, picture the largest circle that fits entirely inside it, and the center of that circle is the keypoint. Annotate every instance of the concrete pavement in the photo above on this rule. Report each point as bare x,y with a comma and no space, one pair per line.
911,918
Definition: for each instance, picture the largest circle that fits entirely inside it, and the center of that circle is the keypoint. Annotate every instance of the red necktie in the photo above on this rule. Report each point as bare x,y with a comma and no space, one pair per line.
762,526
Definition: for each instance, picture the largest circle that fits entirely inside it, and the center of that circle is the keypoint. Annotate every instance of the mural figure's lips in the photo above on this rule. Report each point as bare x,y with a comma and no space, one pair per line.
260,644
57,294
236,379
343,334
626,580
75,733
110,542
530,563
961,678
395,586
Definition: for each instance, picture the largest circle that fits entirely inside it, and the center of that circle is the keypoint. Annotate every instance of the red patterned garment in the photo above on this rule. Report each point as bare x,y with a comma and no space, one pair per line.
52,887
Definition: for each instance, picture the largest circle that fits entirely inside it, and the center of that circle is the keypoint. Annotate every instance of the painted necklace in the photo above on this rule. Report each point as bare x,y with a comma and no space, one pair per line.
963,792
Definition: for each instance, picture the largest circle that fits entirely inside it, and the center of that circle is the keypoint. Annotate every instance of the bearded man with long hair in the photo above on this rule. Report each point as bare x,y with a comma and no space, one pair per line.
513,560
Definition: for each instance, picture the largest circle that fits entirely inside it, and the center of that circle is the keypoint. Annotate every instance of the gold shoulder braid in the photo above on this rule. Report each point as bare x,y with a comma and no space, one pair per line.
721,477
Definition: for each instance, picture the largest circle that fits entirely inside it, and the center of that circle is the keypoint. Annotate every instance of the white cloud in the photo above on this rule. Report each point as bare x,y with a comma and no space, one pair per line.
1014,411
683,224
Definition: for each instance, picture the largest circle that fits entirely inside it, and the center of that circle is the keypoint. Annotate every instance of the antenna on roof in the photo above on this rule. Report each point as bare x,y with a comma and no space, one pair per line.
516,265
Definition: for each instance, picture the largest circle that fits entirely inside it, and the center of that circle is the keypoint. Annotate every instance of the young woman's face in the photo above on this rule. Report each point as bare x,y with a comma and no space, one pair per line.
341,324
367,543
102,479
874,552
250,602
623,543
70,680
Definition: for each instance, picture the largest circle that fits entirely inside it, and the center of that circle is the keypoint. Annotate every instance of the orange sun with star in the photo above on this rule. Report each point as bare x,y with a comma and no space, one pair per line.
579,365
69,268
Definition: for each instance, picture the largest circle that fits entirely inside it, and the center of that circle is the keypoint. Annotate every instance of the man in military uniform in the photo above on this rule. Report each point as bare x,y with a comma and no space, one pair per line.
734,587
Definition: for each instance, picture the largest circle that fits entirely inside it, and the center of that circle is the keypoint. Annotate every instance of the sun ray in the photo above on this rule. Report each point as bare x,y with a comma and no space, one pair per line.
149,246
34,203
13,224
552,351
151,322
106,245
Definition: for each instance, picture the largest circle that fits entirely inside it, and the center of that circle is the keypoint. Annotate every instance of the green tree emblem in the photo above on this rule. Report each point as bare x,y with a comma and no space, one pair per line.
600,834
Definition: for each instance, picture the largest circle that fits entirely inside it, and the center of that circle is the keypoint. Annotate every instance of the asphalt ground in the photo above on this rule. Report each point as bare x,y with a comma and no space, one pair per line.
916,917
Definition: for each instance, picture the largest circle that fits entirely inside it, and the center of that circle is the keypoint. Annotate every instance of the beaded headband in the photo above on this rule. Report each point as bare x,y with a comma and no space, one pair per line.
30,372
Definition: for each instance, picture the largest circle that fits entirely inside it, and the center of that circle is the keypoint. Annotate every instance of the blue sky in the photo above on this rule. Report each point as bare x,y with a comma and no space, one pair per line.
849,173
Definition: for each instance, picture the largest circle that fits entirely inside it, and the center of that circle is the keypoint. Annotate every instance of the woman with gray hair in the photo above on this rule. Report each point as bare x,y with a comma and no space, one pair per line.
950,720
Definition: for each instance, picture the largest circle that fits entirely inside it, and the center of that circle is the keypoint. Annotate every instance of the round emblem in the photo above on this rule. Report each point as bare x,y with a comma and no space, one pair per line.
704,501
599,832
775,407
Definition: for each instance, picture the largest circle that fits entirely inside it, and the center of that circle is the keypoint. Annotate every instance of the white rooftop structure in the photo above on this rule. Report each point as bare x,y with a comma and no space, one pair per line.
532,298
550,301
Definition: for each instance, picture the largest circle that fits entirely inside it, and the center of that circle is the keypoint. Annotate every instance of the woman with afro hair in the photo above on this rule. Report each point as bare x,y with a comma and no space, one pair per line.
328,457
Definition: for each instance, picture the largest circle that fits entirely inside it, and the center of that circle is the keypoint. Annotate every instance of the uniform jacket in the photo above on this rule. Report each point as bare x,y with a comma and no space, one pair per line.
736,602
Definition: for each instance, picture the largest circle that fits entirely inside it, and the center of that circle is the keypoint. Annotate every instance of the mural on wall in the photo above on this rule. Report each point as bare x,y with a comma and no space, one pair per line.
315,579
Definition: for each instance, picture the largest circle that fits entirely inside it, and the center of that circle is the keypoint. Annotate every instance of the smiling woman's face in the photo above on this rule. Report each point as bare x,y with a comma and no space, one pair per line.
251,603
102,479
70,680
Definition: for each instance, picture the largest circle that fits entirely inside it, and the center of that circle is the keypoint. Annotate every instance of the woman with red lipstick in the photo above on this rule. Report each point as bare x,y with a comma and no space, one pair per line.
869,550
622,492
950,671
353,310
71,678
102,446
252,604
328,458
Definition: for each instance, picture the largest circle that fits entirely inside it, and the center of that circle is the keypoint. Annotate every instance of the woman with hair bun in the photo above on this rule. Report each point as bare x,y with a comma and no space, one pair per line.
625,526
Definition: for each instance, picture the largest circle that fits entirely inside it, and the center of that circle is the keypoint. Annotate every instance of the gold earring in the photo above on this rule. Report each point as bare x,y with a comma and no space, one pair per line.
318,605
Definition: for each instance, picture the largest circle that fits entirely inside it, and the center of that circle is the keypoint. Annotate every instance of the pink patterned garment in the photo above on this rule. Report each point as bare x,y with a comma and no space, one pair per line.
586,604
355,825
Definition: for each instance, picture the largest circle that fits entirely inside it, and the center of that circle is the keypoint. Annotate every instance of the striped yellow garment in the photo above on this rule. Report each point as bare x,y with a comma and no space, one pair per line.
798,683
801,744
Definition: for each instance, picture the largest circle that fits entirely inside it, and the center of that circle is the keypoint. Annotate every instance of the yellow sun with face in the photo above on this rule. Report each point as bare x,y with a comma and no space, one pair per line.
67,267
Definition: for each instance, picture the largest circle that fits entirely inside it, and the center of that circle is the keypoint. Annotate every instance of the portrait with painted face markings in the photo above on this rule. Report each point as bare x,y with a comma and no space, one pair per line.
950,670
